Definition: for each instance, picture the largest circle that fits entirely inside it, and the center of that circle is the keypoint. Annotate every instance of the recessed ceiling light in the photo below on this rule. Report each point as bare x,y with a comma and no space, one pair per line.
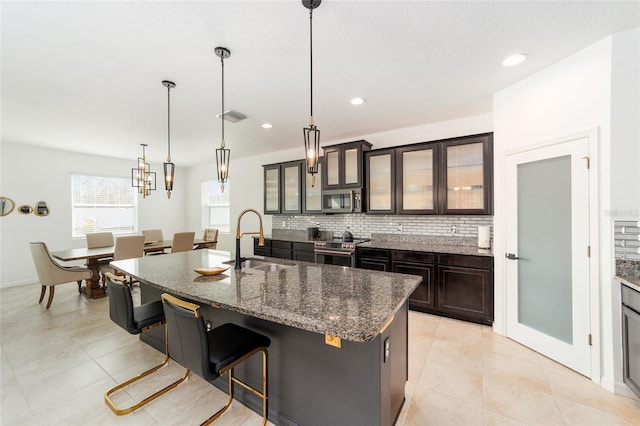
267,126
357,101
514,60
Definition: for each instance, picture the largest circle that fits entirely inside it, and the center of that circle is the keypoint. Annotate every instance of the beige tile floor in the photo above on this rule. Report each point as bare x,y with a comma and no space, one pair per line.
56,365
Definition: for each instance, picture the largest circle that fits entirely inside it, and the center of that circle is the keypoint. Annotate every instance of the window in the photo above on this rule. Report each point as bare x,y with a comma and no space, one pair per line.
103,204
216,206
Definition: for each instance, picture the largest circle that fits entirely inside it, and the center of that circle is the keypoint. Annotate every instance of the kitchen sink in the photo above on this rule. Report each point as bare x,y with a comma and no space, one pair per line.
260,265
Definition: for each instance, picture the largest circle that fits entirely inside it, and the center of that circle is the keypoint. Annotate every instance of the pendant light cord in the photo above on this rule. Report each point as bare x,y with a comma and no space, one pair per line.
222,61
311,59
168,124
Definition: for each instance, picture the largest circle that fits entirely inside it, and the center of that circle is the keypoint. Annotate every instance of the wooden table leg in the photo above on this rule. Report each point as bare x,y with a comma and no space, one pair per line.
94,289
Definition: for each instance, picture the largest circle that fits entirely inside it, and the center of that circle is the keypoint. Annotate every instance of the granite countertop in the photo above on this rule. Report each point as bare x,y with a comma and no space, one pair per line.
634,283
292,238
352,304
427,247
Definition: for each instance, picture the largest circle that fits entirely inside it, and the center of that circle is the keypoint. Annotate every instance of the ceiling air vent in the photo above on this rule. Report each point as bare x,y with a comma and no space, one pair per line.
232,116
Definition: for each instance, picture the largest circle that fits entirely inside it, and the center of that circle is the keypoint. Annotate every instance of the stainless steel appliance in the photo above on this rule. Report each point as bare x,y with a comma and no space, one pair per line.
336,252
342,201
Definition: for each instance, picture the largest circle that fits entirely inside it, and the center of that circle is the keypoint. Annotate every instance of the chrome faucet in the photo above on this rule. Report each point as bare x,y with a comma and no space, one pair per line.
240,259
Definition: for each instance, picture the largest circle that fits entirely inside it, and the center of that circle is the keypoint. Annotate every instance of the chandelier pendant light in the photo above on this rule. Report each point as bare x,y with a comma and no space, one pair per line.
169,167
223,154
142,177
311,133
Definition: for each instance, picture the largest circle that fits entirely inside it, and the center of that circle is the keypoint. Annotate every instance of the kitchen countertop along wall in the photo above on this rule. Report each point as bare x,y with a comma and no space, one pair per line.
628,273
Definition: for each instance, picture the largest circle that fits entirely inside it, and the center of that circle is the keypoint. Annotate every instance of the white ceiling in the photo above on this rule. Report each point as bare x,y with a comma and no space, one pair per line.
86,76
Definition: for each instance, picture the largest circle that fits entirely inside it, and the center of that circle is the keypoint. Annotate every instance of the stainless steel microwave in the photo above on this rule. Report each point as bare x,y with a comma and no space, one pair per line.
342,201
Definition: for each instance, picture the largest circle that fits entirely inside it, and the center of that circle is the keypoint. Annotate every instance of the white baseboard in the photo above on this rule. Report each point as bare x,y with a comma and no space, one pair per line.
18,283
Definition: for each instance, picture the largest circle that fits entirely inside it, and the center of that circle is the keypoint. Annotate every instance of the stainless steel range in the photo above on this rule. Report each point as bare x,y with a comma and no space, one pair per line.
336,252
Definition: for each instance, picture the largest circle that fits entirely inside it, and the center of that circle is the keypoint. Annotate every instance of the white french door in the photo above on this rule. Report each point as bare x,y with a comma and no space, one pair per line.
548,270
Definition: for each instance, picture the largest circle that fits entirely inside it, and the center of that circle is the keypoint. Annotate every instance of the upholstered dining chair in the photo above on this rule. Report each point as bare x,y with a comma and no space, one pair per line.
134,320
152,235
210,237
50,273
100,240
210,354
126,247
182,241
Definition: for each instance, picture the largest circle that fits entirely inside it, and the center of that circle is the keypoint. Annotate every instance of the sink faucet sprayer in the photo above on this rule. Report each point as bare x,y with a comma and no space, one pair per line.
240,259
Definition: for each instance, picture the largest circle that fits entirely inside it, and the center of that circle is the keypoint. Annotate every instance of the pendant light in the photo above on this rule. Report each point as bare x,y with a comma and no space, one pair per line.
142,177
169,167
222,154
311,133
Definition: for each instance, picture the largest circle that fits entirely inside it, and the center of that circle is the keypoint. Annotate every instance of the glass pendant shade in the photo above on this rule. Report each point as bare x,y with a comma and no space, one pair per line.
312,150
222,164
169,170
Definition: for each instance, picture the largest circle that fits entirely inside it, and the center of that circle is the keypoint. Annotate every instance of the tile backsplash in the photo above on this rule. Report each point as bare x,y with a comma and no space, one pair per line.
363,225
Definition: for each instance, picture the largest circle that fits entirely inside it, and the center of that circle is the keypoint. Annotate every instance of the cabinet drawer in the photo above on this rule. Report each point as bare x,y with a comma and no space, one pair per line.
303,247
478,262
284,245
373,253
281,254
413,256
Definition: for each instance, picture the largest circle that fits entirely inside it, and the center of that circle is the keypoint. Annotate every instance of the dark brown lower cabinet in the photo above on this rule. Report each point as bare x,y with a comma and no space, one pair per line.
373,258
264,250
455,286
417,263
304,252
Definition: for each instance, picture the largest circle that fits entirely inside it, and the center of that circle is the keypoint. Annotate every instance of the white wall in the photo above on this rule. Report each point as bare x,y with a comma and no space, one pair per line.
573,96
29,174
247,180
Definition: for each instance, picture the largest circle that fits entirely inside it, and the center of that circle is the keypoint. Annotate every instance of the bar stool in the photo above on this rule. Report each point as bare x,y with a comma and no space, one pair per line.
135,320
210,354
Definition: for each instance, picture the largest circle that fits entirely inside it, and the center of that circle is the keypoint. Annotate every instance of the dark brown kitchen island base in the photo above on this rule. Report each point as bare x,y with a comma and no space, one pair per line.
312,383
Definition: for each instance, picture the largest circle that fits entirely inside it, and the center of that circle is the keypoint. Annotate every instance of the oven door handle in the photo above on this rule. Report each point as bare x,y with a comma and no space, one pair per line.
335,252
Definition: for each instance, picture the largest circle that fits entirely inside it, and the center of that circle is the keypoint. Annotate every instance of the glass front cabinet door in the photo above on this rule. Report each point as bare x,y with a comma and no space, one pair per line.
291,187
272,189
312,196
416,174
381,181
467,176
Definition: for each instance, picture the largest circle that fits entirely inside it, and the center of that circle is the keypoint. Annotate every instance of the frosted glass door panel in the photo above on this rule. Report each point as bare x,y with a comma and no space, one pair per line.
544,238
465,176
380,182
351,166
333,167
292,189
417,180
271,190
312,194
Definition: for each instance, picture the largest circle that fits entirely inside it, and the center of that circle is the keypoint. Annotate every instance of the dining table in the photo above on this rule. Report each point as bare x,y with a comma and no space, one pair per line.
94,289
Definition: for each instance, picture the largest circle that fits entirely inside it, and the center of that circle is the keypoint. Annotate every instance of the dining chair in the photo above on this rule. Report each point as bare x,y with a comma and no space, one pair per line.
50,273
100,240
126,247
182,241
153,235
135,320
215,352
210,237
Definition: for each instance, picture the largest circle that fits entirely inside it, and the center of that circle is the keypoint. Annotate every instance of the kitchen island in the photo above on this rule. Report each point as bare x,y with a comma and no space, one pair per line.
338,351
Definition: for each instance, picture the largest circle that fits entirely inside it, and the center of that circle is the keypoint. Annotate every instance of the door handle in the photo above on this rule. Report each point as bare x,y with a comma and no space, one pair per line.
511,256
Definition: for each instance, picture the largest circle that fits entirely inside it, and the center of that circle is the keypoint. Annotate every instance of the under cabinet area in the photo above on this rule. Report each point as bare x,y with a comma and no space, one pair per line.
453,285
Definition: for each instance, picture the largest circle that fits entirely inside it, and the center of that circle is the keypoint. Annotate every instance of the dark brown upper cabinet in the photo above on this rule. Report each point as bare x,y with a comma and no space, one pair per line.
283,188
451,176
343,165
380,177
466,175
